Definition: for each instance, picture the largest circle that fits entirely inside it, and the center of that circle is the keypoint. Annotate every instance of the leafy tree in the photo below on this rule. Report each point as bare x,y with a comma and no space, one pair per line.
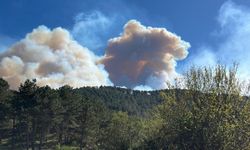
93,119
123,132
4,93
5,97
70,103
207,109
48,107
24,105
210,113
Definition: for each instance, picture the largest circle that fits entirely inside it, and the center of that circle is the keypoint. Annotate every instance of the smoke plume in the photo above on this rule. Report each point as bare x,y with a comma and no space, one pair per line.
143,56
53,58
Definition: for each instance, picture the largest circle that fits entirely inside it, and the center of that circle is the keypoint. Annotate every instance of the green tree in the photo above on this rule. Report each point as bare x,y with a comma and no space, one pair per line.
123,132
24,104
5,108
48,107
70,101
209,113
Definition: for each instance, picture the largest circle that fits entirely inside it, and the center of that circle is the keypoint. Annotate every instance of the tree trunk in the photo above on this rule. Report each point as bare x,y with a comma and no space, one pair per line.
27,137
81,139
13,141
83,124
41,140
33,134
60,135
20,134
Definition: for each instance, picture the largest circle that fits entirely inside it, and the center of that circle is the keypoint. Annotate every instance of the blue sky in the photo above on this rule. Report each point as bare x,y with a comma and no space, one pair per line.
193,20
217,30
188,19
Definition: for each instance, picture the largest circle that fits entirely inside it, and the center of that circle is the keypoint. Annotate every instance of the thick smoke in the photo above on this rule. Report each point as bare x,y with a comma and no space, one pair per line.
53,58
143,56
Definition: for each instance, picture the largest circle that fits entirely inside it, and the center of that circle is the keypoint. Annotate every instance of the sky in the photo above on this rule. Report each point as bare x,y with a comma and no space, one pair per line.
209,31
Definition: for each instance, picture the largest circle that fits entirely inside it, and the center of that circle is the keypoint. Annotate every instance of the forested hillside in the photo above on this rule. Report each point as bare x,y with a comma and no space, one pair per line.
211,113
33,114
121,99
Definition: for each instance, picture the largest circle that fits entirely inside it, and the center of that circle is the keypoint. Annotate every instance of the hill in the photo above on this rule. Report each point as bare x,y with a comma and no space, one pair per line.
121,99
211,113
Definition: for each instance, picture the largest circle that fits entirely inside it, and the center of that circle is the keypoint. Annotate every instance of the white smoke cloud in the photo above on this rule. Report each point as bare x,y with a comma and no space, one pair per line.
204,57
234,29
144,56
53,58
235,25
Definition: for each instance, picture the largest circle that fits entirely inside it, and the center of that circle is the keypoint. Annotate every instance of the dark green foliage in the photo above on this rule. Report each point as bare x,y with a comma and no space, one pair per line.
4,99
211,114
120,99
5,108
208,110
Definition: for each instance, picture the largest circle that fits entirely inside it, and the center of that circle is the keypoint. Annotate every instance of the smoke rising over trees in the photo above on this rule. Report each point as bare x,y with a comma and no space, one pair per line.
206,111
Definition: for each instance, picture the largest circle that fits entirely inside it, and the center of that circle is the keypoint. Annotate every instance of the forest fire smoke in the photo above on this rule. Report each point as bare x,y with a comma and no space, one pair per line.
53,58
140,56
143,56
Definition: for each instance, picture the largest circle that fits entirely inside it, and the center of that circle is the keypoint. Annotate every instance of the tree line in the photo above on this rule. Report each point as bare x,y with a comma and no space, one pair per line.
208,109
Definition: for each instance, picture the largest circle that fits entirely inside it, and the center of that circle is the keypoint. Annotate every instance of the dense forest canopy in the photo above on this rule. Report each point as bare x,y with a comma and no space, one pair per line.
206,110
